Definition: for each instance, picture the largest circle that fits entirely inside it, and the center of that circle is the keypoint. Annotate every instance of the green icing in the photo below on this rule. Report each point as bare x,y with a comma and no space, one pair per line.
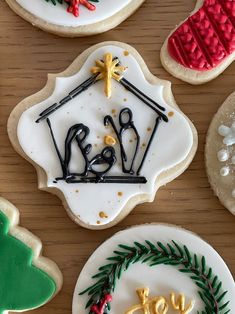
22,285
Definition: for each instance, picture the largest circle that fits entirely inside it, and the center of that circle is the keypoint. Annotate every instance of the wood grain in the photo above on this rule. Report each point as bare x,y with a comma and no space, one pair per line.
27,55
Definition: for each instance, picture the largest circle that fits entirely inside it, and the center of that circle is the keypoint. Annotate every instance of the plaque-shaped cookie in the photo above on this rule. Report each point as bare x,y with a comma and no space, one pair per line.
104,135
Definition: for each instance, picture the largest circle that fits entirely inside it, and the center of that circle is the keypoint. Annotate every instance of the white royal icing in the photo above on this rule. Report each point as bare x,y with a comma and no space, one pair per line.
227,154
171,144
161,279
59,16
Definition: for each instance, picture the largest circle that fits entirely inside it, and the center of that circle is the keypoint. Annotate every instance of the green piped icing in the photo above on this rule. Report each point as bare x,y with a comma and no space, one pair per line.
23,286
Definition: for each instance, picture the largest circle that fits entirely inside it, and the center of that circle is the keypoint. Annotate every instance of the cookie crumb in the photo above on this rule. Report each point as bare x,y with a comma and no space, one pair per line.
120,194
170,114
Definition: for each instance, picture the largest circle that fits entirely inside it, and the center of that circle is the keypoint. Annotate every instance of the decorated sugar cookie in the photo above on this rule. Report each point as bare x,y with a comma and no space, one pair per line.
75,17
27,279
154,269
220,153
104,135
203,46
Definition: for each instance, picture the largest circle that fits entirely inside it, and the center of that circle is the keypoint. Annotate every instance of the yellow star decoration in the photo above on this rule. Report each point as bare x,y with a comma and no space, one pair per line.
108,70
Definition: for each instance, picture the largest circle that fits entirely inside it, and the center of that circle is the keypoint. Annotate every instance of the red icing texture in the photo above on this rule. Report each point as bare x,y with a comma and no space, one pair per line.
206,38
74,6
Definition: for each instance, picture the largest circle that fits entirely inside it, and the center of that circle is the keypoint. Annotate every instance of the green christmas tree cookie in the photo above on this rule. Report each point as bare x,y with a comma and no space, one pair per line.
27,280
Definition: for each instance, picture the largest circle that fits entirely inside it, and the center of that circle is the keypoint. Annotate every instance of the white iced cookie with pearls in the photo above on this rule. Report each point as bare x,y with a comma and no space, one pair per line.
220,153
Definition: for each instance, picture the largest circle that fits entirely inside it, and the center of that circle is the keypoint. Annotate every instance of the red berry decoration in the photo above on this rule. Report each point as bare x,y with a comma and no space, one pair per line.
74,6
100,307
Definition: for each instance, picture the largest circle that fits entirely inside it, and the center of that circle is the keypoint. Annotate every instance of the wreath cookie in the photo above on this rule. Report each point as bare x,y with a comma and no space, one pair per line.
27,279
154,269
220,153
75,18
104,135
203,46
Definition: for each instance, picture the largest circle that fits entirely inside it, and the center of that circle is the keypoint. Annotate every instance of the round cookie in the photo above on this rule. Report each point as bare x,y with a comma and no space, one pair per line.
203,45
220,153
155,269
27,279
75,18
104,135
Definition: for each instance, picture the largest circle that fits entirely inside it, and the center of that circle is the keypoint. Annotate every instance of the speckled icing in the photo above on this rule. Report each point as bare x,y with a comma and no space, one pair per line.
227,154
161,279
97,203
59,16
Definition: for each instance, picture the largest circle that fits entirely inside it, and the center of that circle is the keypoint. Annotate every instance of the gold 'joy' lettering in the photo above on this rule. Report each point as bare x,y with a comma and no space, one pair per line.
155,305
179,304
159,304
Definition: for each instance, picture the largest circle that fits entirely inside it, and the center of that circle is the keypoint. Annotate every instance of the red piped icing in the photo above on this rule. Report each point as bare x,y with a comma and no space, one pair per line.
74,6
206,38
100,307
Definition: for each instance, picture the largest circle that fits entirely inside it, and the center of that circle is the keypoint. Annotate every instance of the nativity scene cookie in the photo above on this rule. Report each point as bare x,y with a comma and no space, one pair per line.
27,279
74,18
104,135
203,46
154,269
220,153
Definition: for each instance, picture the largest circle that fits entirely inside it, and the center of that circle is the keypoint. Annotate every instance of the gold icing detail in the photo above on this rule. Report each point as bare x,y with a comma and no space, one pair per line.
170,114
110,140
103,215
179,304
108,70
155,305
158,304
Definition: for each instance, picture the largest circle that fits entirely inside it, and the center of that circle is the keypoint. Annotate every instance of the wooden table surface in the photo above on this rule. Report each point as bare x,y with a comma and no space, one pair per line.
27,55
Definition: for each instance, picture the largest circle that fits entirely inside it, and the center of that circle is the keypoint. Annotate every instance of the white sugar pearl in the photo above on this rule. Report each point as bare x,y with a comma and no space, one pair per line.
223,130
233,160
229,139
224,171
222,155
233,193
